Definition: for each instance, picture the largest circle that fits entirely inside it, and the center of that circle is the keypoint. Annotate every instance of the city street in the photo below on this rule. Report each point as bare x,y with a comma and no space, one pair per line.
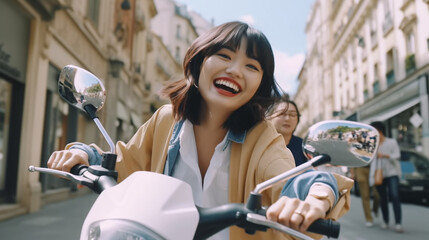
63,221
414,219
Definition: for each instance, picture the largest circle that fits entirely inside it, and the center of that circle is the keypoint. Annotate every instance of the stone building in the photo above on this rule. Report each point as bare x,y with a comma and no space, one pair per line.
369,61
112,39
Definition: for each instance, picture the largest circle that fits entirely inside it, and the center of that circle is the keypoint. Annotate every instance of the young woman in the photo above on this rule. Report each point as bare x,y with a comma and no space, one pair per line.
285,117
214,137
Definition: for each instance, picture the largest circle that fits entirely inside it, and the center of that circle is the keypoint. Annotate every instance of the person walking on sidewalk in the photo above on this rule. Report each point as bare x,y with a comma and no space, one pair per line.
361,175
388,156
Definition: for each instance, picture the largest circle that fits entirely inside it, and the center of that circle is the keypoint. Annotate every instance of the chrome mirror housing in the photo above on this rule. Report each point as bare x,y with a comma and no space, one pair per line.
80,88
348,143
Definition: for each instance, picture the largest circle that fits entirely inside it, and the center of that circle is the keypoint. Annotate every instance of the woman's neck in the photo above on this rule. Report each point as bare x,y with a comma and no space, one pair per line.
208,134
382,138
213,117
287,138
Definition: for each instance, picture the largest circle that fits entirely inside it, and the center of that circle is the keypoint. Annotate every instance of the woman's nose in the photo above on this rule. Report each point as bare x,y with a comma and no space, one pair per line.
234,69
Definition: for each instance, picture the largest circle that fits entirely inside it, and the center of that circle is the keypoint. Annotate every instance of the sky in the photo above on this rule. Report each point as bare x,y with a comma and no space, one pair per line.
282,21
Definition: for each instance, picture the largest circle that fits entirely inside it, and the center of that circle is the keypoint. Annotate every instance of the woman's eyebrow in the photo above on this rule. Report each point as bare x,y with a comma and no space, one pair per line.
229,48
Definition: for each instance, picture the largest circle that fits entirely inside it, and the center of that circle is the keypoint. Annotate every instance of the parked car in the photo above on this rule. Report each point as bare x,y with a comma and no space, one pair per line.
414,183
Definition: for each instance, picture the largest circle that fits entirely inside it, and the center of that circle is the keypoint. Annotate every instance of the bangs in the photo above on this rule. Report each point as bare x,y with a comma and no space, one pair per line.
257,44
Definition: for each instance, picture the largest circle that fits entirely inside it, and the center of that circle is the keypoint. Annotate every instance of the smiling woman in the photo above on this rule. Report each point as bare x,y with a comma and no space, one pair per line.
221,45
289,44
214,136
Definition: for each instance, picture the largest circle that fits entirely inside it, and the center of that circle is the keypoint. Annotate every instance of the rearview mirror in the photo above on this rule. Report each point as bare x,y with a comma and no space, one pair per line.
348,143
80,88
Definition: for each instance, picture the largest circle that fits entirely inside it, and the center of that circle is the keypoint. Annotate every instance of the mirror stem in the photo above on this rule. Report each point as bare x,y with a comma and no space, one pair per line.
91,110
254,202
105,134
314,162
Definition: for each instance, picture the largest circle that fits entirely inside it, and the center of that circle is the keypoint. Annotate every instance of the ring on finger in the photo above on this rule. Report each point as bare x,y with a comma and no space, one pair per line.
298,212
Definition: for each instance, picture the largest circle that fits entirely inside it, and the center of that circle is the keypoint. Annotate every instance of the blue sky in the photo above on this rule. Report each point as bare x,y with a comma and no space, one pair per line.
282,21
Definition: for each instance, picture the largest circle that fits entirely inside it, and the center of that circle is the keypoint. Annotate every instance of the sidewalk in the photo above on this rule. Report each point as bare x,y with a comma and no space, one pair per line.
62,220
414,221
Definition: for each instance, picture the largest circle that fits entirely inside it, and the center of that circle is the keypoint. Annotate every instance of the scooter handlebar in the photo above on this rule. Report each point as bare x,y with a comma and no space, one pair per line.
213,220
325,227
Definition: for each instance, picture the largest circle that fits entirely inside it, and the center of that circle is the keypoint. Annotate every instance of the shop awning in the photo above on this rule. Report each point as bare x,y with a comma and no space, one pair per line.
392,111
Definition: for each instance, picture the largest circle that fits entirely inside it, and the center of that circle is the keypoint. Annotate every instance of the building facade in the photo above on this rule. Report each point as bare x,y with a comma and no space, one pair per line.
112,39
376,66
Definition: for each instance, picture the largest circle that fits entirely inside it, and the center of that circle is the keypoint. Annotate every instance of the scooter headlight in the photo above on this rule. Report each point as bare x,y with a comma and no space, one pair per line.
119,229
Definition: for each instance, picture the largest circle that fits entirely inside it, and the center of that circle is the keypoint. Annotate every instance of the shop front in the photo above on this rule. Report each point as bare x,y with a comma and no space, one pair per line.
13,61
404,110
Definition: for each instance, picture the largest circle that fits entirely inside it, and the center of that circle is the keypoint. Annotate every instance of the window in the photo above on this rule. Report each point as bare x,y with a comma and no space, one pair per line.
373,28
5,107
178,35
365,94
410,60
388,23
376,74
390,70
376,87
93,10
410,43
178,53
365,87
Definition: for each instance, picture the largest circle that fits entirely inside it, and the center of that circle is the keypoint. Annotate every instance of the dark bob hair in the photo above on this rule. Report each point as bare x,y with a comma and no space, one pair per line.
379,126
272,113
184,94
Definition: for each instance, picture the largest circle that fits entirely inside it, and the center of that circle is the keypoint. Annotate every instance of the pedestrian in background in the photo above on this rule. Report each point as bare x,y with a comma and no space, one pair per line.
361,175
388,156
285,117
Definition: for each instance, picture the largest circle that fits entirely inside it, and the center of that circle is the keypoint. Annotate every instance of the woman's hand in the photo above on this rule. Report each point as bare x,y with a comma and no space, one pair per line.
297,214
66,159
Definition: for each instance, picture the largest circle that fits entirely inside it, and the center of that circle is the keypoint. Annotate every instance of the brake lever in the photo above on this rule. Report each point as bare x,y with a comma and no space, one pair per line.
262,220
74,178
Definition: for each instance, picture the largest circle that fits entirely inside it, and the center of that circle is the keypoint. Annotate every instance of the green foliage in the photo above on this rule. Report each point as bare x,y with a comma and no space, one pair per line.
410,63
342,129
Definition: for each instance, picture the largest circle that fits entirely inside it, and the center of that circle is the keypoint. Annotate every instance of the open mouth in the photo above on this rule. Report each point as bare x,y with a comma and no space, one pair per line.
227,86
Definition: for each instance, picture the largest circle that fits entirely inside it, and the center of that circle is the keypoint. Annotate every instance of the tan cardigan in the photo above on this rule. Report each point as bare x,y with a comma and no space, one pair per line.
262,156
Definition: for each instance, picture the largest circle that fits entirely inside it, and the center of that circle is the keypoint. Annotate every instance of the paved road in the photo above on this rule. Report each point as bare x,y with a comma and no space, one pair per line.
63,220
415,222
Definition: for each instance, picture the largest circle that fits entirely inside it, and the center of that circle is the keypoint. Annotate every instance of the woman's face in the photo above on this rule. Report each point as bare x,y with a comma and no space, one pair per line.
229,78
285,121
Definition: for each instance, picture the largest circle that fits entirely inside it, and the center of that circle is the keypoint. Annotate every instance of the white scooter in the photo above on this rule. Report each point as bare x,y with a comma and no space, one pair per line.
148,205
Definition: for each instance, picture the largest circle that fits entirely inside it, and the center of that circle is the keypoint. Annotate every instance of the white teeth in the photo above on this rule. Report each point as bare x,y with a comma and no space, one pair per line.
228,84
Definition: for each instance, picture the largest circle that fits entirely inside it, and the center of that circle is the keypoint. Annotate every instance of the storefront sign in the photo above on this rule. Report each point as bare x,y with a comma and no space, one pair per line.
416,120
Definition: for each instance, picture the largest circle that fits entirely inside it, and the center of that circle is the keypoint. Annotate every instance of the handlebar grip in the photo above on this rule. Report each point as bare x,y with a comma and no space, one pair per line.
325,227
78,169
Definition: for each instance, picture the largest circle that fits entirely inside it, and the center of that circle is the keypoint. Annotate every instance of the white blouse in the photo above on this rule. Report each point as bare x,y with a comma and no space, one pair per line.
213,190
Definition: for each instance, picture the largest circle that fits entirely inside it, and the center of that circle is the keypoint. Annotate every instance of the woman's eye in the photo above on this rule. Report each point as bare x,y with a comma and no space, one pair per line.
251,66
222,55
